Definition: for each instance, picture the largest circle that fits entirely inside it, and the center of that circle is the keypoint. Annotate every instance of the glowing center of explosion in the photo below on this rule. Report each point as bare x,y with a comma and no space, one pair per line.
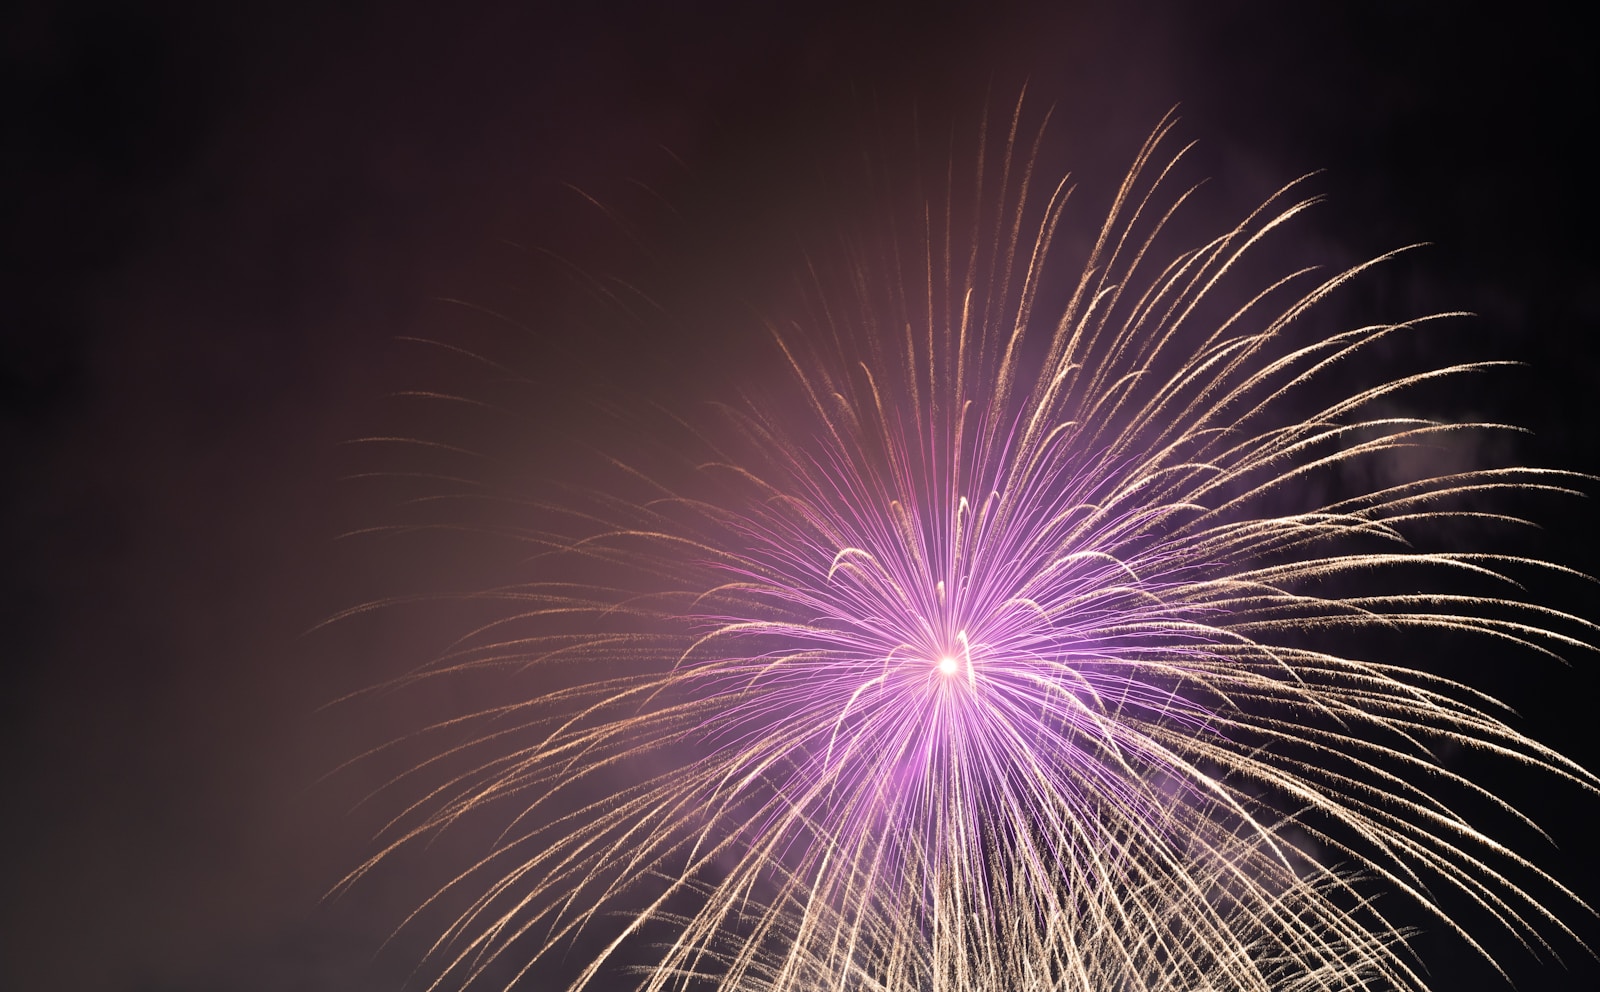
948,665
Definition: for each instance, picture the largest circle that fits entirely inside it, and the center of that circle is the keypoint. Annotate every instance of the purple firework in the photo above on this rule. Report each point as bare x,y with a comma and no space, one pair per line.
1037,640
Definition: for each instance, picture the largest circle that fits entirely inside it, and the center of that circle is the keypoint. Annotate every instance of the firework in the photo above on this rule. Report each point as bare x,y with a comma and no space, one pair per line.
1044,638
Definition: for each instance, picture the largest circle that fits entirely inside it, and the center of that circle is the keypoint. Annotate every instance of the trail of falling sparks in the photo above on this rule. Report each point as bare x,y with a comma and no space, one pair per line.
1025,655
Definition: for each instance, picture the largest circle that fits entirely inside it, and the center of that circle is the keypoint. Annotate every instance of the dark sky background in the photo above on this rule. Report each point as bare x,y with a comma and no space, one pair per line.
219,219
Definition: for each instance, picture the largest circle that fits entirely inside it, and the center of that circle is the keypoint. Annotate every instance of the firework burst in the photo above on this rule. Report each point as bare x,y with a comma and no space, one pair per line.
1041,641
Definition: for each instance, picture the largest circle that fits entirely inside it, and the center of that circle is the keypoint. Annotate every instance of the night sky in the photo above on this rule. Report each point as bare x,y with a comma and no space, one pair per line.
222,222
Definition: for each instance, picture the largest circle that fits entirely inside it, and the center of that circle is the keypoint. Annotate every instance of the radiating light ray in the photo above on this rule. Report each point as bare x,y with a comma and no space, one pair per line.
1317,950
1030,653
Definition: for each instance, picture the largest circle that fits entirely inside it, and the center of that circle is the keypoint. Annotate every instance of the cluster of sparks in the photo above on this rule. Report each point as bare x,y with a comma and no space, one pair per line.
1038,645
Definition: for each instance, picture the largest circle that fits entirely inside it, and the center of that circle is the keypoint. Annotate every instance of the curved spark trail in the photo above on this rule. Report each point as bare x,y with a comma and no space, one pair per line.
1049,643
